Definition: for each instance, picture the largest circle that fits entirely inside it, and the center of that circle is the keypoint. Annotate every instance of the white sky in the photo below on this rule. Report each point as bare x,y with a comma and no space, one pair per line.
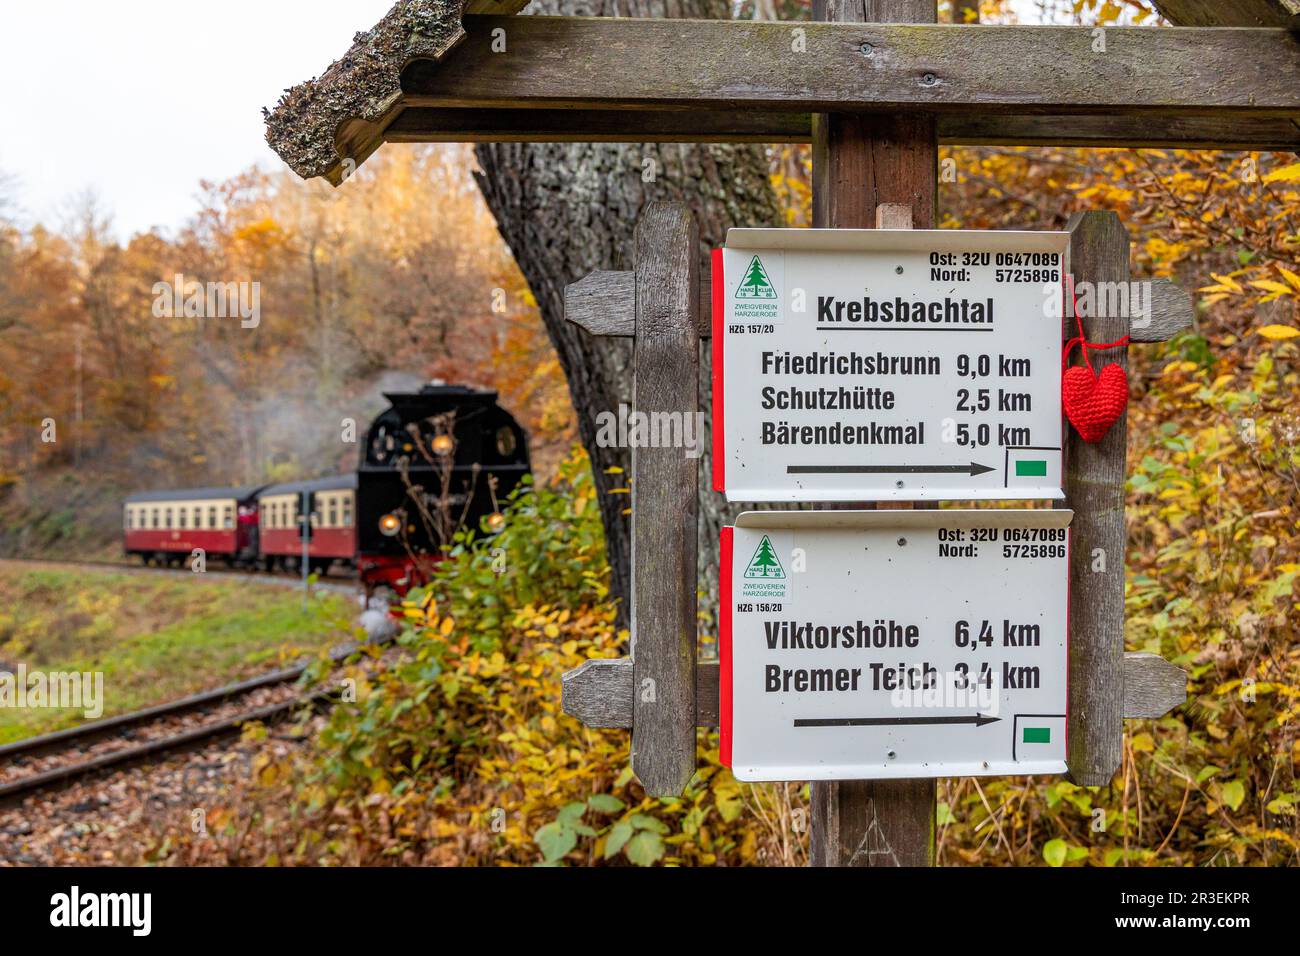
138,100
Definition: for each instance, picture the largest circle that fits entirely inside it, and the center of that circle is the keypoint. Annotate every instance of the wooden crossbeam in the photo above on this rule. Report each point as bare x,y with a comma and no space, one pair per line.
607,63
602,303
453,125
599,693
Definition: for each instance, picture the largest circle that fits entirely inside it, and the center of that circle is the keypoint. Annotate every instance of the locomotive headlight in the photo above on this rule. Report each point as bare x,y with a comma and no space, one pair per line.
389,525
443,446
495,522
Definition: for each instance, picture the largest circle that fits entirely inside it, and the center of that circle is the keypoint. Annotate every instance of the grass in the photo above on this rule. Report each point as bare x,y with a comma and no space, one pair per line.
155,638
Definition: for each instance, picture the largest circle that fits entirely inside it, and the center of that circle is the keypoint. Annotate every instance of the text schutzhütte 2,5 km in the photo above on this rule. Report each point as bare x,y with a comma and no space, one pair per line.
876,365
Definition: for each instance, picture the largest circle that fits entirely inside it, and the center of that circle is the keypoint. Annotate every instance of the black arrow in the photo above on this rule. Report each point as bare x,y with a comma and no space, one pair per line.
972,469
979,720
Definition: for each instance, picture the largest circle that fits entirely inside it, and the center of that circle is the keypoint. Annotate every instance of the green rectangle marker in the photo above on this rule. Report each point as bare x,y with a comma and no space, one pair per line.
1038,735
1031,469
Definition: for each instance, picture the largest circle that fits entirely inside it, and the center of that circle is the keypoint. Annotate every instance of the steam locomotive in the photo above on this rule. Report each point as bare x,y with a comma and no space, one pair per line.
435,461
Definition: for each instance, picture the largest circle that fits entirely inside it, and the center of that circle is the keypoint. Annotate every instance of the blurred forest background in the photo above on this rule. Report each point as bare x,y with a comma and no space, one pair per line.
398,279
391,280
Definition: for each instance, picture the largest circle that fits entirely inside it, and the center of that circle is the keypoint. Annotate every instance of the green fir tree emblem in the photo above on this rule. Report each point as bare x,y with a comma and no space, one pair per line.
765,563
756,284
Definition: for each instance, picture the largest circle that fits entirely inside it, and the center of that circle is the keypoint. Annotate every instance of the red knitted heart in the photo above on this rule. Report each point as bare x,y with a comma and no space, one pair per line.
1093,403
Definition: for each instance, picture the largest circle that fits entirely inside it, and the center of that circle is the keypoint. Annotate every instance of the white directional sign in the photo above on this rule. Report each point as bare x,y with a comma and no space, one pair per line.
861,645
869,364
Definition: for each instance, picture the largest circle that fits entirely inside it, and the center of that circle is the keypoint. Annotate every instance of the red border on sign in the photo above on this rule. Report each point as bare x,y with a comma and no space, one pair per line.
1069,540
719,396
724,648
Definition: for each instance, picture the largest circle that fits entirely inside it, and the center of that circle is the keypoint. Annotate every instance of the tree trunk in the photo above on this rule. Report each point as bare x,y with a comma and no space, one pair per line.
566,209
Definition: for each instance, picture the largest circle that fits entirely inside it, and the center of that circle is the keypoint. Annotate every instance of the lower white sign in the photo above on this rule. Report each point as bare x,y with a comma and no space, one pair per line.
860,645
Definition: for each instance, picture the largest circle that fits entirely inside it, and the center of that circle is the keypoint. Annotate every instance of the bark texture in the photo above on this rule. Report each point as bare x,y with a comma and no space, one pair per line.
566,209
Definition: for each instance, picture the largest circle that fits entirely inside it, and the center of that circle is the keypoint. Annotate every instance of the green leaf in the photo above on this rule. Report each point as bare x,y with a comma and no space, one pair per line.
645,848
730,803
1283,805
1233,793
619,834
605,803
693,820
1055,852
571,813
555,841
643,822
943,815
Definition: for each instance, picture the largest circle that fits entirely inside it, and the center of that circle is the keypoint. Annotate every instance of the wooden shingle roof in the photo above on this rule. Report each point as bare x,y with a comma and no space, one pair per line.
328,126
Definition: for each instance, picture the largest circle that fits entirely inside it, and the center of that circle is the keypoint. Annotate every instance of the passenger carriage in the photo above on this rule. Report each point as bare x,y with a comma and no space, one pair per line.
166,527
332,504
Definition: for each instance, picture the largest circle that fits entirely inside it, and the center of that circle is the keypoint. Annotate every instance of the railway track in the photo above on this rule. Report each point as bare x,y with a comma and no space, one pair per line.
263,577
57,759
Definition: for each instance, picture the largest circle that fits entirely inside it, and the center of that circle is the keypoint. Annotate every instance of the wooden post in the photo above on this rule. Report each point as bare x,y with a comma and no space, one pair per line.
861,163
664,530
1094,489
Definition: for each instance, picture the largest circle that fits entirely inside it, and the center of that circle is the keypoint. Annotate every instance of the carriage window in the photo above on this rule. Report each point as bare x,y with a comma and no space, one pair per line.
230,516
334,515
167,518
155,518
347,512
180,517
128,519
212,518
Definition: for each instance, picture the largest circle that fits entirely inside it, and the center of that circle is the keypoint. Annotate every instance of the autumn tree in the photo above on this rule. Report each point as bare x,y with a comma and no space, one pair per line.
568,209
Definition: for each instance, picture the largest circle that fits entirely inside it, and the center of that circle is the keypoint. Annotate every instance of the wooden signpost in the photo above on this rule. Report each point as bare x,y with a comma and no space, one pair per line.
875,90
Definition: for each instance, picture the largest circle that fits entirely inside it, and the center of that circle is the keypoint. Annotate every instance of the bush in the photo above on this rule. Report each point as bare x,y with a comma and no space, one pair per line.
459,752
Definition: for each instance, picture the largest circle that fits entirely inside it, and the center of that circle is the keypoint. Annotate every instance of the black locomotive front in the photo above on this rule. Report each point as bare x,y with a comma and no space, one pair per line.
437,460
